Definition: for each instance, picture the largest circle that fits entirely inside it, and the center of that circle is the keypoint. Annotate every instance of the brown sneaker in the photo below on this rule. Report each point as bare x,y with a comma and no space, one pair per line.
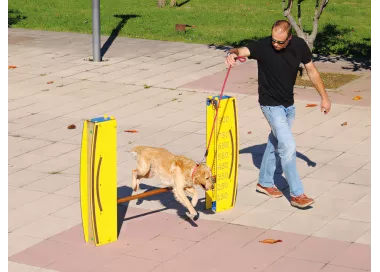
301,201
270,191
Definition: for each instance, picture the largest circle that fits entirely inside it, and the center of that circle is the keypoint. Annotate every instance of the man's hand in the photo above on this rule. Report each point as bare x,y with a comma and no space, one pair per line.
234,53
325,105
315,77
231,59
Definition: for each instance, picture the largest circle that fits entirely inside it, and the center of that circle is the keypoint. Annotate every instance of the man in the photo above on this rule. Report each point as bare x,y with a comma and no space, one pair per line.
278,58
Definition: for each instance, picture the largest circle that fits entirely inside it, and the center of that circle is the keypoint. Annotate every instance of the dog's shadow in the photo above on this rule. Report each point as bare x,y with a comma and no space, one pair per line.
167,200
257,152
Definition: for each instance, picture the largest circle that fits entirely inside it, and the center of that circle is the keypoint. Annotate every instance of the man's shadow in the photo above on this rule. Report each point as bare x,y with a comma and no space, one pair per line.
115,32
257,152
166,199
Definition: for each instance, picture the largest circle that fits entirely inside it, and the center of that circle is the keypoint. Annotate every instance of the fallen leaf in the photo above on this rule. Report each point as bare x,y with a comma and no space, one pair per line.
344,124
12,67
358,97
71,126
146,86
180,27
50,82
249,132
270,241
131,131
311,105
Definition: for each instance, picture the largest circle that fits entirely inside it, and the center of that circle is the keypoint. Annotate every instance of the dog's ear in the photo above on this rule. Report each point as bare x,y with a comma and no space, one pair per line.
201,172
179,162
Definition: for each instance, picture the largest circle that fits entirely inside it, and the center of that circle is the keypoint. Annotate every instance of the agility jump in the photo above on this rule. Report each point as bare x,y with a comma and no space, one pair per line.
98,168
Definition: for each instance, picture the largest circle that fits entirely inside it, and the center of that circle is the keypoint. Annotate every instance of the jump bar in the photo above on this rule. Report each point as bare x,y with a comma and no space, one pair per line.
145,194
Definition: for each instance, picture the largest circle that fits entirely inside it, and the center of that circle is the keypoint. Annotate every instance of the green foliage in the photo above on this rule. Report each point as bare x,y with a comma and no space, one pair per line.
14,17
345,25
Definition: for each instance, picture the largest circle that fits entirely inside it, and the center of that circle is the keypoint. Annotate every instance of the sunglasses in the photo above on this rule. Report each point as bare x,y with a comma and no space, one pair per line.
279,42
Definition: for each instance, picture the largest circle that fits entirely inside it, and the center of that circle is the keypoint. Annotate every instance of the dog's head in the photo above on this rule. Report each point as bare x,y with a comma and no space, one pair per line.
203,177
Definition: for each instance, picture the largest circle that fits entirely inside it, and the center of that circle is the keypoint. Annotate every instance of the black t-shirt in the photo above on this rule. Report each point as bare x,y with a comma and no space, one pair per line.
277,70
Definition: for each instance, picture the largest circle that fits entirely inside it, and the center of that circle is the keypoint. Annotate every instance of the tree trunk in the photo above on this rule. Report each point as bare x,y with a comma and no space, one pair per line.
319,7
161,3
173,3
309,38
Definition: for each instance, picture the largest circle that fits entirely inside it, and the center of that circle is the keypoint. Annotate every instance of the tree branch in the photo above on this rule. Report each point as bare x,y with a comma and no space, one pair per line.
288,8
319,7
299,15
292,22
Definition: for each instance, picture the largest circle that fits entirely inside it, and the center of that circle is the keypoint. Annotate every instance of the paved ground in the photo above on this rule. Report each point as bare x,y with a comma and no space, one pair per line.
44,216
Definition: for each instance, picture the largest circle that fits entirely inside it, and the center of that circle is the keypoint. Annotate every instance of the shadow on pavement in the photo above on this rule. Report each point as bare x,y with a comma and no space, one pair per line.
115,32
166,199
257,152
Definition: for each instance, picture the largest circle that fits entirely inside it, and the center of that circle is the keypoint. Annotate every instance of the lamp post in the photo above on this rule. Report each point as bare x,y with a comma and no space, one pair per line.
96,30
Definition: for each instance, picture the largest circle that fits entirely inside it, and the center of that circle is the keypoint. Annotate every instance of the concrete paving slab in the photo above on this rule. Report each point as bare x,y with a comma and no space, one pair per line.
171,113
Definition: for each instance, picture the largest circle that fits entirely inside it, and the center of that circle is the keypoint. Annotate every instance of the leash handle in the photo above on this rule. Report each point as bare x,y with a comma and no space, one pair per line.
241,59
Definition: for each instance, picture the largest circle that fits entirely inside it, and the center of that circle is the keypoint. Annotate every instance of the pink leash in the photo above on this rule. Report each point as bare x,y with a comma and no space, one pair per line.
241,59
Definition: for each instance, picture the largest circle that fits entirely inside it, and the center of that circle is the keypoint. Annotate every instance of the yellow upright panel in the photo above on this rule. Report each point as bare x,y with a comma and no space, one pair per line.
223,152
83,181
98,181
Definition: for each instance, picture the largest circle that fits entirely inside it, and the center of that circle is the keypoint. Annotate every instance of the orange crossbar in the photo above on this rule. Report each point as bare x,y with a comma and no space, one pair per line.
145,194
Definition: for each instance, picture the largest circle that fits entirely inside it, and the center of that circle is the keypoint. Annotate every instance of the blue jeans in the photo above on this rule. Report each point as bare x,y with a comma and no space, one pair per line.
281,139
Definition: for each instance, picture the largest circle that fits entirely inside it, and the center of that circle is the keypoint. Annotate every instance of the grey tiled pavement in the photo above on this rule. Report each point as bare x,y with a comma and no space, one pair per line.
334,161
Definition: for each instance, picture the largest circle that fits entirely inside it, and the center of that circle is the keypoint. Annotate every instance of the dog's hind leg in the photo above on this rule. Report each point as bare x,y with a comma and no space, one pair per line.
194,195
143,170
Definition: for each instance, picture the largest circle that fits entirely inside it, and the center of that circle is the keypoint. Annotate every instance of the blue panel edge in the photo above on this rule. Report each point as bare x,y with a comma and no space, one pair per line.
100,119
213,206
217,96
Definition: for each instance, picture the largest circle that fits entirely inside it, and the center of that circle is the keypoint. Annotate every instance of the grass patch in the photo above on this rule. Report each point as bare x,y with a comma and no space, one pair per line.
331,80
345,26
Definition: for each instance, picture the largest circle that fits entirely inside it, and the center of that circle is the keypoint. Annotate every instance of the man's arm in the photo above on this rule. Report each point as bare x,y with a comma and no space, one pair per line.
237,52
316,79
241,52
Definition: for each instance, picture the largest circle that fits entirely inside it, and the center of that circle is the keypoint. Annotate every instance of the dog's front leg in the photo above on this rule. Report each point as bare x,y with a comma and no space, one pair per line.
194,195
185,201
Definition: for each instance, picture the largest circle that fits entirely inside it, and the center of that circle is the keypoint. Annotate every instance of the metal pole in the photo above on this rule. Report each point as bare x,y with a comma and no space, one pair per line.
96,30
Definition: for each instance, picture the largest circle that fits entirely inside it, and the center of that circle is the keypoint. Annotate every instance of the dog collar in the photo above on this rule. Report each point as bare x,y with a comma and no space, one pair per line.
193,172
